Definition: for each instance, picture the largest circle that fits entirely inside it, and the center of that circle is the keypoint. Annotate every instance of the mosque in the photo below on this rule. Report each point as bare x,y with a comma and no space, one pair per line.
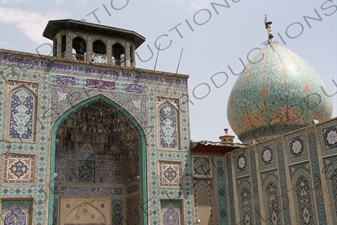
90,139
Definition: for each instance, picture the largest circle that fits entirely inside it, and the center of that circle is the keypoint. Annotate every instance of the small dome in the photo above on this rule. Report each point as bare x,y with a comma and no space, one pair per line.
278,92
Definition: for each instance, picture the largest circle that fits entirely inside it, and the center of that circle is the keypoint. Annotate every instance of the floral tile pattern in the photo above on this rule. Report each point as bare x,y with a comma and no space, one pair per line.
330,137
168,127
22,111
170,174
296,146
117,211
170,212
19,169
304,201
241,162
202,166
60,86
280,93
267,155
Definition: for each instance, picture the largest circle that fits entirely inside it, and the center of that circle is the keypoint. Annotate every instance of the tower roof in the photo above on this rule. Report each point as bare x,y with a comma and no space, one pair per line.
278,92
54,26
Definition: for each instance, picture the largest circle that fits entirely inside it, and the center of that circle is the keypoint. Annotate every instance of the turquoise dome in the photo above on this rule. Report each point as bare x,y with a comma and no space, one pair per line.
278,92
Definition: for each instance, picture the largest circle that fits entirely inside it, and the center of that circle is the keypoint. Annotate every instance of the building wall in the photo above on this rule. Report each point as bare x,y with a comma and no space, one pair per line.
38,93
290,179
210,192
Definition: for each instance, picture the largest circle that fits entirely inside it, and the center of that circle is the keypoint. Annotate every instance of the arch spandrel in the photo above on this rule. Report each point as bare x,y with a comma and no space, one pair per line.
65,98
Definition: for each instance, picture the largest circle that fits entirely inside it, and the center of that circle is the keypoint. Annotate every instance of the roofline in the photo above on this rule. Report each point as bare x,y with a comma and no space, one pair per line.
51,29
46,57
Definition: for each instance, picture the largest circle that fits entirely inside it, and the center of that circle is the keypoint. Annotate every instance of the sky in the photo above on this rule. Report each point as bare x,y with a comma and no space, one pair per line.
211,35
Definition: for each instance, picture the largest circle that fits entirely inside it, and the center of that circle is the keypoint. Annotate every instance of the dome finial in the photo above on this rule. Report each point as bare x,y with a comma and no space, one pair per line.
268,27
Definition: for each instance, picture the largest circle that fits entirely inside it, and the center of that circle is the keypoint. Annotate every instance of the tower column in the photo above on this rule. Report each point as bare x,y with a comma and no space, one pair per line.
69,41
127,54
89,48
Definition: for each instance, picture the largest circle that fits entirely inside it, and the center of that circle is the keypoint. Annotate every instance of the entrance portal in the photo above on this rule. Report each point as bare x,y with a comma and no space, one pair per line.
97,154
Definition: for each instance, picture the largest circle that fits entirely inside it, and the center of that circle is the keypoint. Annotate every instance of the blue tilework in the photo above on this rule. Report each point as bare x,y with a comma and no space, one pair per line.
279,93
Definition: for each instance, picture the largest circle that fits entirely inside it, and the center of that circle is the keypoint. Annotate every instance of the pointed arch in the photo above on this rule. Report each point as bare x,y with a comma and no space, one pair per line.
16,213
118,54
203,200
143,154
171,216
79,44
21,124
99,47
272,201
168,126
246,204
331,177
304,198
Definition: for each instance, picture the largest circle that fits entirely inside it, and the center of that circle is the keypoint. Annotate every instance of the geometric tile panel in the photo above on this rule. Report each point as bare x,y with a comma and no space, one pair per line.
202,166
267,155
330,137
19,169
241,162
86,171
170,174
296,146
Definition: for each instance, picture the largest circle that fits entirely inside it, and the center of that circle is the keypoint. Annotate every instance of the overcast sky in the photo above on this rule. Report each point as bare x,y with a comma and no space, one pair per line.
212,34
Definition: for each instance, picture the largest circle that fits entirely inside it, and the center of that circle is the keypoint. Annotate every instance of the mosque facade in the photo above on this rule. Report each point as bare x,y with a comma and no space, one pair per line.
90,139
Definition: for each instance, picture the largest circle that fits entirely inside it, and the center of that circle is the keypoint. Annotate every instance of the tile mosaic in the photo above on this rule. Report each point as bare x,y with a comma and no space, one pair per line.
19,169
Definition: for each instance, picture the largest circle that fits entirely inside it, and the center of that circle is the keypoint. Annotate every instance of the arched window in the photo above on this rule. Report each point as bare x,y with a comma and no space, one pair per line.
22,114
168,126
118,55
99,47
79,49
